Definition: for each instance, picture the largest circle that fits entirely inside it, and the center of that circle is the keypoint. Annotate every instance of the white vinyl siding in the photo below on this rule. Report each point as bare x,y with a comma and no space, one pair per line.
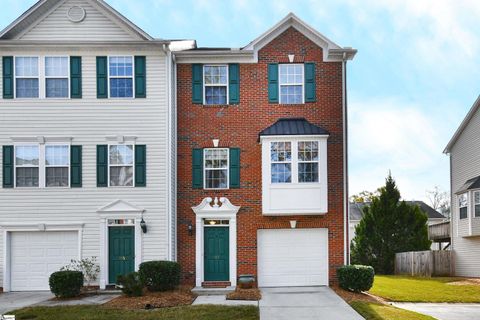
465,164
89,121
96,25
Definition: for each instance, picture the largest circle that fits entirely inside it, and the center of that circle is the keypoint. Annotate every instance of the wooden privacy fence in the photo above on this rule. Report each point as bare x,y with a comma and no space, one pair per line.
424,263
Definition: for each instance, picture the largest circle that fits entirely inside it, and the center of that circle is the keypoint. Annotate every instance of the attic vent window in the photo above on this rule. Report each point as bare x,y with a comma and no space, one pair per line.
76,14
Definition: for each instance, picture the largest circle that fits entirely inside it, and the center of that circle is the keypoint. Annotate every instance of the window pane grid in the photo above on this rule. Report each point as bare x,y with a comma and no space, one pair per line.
216,168
308,161
216,82
121,77
281,157
291,81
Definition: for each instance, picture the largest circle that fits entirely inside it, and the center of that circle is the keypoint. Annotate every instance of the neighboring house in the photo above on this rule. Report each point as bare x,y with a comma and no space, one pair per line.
356,214
464,151
261,159
87,130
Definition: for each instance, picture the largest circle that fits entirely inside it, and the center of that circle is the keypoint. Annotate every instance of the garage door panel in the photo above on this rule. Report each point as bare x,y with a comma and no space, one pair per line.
292,257
36,255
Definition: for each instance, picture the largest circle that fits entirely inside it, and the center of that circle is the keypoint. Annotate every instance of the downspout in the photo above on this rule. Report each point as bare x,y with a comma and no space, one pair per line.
346,249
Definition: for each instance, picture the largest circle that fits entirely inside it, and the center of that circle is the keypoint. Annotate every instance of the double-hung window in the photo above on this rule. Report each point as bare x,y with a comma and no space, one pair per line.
27,82
57,165
291,83
215,84
121,162
216,168
476,197
308,161
463,205
121,76
281,162
27,161
57,77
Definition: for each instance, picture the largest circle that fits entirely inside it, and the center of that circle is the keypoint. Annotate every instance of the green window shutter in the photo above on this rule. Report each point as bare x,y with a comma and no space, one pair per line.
102,77
76,77
140,165
234,168
140,77
197,168
234,83
310,87
273,83
197,83
8,154
7,67
76,166
102,165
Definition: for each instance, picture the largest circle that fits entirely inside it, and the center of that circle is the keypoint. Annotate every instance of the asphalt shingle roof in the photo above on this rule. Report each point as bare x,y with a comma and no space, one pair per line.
471,184
356,210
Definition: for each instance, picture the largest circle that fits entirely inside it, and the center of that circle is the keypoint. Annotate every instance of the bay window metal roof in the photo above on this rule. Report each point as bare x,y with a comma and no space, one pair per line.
293,127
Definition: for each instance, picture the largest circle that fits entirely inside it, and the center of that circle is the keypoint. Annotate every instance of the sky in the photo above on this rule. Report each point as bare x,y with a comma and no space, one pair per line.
412,82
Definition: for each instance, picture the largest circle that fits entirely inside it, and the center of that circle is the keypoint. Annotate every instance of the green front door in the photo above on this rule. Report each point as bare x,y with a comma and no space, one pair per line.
121,252
216,254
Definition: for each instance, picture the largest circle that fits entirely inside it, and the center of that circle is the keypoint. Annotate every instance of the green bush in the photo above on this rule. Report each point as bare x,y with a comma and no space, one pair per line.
131,284
159,275
356,278
66,284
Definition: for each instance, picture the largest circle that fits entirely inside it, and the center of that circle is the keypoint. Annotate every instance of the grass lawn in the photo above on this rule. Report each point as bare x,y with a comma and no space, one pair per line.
377,311
102,313
414,289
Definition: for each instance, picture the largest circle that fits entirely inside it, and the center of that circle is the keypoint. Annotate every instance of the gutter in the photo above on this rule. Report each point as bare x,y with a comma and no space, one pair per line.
346,251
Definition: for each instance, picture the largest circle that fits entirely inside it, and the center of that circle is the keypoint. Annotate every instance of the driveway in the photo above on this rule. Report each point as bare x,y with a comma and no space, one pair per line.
444,311
304,303
15,300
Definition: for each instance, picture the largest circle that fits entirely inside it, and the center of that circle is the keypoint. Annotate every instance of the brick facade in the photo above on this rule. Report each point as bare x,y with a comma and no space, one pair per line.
238,126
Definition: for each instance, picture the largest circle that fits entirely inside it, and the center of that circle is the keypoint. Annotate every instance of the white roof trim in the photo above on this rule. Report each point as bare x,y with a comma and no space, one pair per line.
331,51
463,125
99,3
120,206
218,207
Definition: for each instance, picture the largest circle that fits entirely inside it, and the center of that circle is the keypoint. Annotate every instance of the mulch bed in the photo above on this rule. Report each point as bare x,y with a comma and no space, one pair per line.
245,294
349,296
152,300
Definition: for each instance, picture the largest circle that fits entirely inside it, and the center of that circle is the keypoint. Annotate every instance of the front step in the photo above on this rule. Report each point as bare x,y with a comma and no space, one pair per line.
216,284
201,291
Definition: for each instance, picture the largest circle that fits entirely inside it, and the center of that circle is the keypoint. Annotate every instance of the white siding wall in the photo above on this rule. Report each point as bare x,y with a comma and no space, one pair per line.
96,25
89,121
465,164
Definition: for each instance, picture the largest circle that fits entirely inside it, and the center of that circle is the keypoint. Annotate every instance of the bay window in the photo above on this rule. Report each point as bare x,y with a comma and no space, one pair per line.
476,196
463,205
281,159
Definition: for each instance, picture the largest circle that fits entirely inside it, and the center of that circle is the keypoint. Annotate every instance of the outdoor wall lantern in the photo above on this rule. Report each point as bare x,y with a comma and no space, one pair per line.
143,225
190,229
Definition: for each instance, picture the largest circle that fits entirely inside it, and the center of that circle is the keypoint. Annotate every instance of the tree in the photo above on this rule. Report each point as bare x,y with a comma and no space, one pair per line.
439,200
364,196
388,226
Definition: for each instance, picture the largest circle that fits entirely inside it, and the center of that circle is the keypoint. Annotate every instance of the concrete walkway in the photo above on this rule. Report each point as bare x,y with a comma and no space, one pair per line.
304,303
222,300
444,311
15,300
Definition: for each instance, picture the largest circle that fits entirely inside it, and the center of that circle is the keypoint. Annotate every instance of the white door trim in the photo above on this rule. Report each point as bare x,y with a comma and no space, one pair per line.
9,228
225,211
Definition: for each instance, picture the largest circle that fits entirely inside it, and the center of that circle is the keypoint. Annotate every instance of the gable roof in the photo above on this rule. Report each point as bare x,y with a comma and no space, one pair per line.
331,50
463,125
36,12
356,210
293,127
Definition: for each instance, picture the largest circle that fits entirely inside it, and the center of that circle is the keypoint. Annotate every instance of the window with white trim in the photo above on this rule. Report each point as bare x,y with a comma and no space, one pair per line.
216,168
120,76
57,73
308,161
57,165
291,81
215,84
463,205
281,162
121,162
27,161
476,197
27,83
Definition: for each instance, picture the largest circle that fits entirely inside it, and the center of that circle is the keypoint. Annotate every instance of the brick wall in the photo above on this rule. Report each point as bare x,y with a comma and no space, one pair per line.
238,126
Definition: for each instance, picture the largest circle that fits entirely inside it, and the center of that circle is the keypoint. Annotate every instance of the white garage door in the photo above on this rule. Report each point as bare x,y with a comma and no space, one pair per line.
292,257
36,255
